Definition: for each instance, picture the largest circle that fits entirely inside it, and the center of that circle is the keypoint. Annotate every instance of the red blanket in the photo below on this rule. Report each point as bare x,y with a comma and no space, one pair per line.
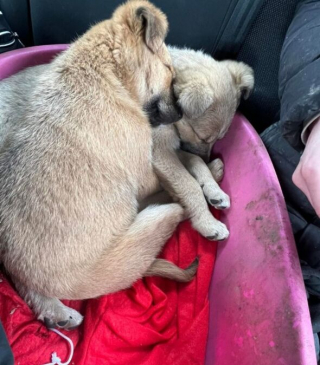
156,322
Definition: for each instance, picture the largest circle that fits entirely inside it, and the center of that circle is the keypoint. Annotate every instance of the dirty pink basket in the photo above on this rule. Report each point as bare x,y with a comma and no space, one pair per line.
258,306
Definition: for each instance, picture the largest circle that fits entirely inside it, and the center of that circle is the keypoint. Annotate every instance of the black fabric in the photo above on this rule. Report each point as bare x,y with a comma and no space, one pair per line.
315,315
299,73
311,275
6,357
216,26
9,40
235,27
194,24
305,223
18,17
285,160
299,91
261,50
311,279
308,243
219,27
317,344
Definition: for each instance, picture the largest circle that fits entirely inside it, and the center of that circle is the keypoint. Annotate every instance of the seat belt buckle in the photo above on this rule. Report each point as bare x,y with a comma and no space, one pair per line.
7,37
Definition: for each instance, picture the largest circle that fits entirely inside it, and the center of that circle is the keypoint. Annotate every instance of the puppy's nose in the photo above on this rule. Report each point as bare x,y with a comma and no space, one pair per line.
179,111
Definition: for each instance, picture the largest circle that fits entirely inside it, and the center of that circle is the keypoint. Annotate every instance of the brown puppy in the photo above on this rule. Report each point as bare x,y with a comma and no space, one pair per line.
75,161
208,92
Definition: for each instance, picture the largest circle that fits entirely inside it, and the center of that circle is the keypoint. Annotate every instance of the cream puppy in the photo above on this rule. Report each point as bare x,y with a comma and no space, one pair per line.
208,93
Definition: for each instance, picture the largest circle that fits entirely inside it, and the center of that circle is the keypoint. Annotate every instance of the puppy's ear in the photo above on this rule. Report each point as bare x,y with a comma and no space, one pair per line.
242,75
153,24
194,97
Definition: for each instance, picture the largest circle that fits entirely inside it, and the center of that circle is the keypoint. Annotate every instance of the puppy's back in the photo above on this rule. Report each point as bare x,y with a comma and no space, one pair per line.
64,163
15,95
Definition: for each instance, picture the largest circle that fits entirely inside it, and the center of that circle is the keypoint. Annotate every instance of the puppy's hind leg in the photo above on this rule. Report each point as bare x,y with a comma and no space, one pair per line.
164,221
152,228
50,310
134,255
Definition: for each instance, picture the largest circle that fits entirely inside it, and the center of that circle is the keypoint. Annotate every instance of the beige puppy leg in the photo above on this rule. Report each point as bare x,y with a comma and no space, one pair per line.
181,185
50,310
135,252
200,171
216,168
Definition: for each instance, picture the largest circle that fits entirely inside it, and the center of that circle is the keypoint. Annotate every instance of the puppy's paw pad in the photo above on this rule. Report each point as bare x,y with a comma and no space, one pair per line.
62,323
49,323
219,232
62,317
210,228
218,237
216,197
215,238
220,203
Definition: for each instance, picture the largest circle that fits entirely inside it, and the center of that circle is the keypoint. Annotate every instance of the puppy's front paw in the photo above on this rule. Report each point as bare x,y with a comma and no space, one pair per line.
216,168
210,228
216,197
61,316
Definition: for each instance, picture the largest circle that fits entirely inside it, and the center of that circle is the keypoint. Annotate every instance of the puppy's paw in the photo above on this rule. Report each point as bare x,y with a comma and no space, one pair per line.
216,197
61,316
216,168
210,228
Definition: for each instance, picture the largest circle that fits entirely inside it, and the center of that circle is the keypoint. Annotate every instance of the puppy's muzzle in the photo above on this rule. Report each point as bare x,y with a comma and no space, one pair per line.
163,110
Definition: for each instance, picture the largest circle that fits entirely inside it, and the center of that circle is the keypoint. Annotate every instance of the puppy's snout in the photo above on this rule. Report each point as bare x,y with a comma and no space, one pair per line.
173,109
163,110
177,108
173,112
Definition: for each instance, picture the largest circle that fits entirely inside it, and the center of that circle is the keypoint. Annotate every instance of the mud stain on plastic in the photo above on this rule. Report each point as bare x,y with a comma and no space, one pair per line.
264,227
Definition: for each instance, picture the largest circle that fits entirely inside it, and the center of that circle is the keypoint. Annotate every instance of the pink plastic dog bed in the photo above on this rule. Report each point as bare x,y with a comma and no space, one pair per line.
259,313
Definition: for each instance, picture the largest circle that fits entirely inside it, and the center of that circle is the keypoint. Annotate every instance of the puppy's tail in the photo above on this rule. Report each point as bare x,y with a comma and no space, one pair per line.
168,270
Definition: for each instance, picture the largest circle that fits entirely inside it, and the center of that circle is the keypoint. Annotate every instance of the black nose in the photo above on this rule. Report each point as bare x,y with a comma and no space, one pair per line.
179,111
174,114
176,105
161,111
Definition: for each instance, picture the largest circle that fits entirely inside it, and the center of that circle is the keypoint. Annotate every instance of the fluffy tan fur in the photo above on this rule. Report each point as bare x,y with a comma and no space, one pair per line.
76,159
209,93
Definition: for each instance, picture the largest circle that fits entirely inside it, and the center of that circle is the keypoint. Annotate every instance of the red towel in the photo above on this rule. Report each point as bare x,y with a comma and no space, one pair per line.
155,322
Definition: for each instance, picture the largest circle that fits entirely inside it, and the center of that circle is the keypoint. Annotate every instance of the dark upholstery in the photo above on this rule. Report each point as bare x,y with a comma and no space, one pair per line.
18,16
261,49
216,26
192,23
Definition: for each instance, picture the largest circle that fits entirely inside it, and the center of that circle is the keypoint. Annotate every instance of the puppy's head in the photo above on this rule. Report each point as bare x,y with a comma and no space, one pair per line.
140,30
209,93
